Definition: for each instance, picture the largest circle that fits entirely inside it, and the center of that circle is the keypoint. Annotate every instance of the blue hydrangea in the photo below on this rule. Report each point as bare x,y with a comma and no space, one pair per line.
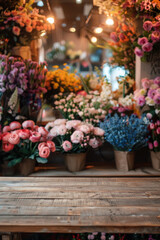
125,133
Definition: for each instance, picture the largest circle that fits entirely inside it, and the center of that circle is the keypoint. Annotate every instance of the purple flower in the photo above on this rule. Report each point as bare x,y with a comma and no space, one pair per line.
12,86
141,100
147,25
138,52
147,47
157,80
142,41
151,93
20,91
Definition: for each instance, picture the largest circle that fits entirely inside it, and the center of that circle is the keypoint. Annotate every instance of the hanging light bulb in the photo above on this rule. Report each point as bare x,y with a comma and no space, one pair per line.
110,21
72,29
50,20
98,30
93,39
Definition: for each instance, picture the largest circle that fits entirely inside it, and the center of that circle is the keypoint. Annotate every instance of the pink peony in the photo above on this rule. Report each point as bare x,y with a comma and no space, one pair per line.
43,131
72,124
138,52
142,41
84,128
6,129
67,146
16,30
94,143
53,132
61,130
141,100
6,147
155,36
150,145
155,143
147,25
77,136
24,133
156,98
35,136
51,146
14,138
15,125
151,93
98,131
28,124
146,83
147,47
44,152
58,122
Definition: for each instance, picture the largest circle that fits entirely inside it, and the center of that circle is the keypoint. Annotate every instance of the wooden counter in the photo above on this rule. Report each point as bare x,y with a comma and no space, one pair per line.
118,205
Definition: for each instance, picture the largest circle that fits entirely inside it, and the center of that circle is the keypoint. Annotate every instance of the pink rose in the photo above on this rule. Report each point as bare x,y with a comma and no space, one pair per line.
61,130
15,125
151,125
14,138
156,26
149,115
43,131
147,47
84,128
98,131
44,152
94,143
155,36
5,136
147,25
6,129
29,29
121,109
51,146
28,124
35,137
138,52
6,147
146,83
24,133
67,146
150,145
114,36
142,41
16,30
72,124
151,93
141,100
155,143
77,136
158,130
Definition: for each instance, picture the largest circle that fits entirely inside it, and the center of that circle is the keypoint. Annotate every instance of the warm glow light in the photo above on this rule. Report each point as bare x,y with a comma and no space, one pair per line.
43,33
40,4
50,20
78,1
72,29
109,21
93,39
98,30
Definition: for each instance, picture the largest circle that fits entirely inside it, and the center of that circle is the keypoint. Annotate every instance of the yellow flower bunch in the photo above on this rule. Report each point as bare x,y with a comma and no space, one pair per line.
61,80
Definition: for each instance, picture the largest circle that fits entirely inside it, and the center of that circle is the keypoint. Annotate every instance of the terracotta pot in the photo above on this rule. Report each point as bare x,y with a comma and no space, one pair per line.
22,51
75,161
27,166
124,160
155,158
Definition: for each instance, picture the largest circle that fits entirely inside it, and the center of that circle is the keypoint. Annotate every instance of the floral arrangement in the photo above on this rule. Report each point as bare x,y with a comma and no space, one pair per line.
21,25
86,107
20,82
61,80
154,136
26,141
74,136
127,133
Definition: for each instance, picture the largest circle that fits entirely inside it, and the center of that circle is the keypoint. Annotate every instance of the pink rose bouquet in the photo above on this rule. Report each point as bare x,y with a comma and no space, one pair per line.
74,136
26,141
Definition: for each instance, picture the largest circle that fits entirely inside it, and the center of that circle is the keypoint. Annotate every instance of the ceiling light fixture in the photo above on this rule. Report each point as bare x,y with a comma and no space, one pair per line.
110,21
98,30
93,39
78,1
72,29
50,20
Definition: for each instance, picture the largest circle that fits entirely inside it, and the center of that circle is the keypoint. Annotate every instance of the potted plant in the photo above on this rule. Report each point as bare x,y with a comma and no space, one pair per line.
126,134
148,99
25,144
73,138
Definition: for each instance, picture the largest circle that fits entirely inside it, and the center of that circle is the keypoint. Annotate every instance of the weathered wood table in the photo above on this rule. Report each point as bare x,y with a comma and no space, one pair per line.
118,205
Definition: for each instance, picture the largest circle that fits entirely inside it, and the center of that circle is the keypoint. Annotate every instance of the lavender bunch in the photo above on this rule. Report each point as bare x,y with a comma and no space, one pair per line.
125,133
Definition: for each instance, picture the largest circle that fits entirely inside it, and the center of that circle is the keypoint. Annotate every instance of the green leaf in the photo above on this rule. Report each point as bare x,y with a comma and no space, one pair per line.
41,160
14,162
32,156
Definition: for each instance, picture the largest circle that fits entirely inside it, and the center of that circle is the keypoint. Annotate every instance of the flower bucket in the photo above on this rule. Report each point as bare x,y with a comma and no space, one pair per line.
124,160
27,166
22,51
155,158
8,171
75,161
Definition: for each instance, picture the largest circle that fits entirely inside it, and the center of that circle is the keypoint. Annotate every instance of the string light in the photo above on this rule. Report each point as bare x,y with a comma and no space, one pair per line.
98,30
93,39
110,21
50,20
72,29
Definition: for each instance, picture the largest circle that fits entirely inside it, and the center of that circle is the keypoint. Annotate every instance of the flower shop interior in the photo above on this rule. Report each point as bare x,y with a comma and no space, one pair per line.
80,119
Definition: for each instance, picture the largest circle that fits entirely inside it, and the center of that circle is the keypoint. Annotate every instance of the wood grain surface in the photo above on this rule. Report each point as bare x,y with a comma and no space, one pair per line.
119,205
